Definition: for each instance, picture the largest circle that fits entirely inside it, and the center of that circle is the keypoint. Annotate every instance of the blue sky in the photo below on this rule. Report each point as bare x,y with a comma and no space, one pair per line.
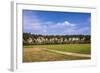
56,23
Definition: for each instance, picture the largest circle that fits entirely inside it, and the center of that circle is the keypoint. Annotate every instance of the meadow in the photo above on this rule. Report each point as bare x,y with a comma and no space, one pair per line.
35,53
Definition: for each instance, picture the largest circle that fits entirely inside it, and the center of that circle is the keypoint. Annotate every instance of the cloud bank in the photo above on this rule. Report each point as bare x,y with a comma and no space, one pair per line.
34,24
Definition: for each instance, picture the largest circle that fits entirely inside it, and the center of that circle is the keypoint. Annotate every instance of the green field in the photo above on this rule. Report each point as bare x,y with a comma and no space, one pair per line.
34,53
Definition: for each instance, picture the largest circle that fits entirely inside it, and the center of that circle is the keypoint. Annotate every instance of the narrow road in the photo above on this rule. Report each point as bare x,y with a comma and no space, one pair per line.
68,53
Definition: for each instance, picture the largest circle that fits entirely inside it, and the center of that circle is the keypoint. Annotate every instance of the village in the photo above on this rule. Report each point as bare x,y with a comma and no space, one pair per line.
55,39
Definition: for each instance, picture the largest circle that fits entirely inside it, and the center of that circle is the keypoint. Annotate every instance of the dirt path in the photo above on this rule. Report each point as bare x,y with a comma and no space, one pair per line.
68,53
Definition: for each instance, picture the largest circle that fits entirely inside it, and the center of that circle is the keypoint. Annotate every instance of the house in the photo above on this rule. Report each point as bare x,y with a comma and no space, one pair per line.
75,39
29,40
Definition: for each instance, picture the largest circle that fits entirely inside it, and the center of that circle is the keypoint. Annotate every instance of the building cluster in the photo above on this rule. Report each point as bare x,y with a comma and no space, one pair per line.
55,40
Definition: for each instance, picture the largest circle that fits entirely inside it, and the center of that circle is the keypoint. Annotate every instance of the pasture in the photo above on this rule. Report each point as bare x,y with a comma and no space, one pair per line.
36,53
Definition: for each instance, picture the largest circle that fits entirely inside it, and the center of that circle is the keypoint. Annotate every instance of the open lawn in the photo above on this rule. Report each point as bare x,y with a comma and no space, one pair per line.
35,53
76,48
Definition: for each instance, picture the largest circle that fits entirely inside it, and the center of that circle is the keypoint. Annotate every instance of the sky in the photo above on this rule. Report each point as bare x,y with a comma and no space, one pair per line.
56,23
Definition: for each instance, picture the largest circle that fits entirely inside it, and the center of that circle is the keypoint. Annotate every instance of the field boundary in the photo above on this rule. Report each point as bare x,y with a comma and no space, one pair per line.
68,53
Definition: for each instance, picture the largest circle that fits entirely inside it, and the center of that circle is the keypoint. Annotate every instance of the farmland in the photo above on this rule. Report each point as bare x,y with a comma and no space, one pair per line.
56,36
35,53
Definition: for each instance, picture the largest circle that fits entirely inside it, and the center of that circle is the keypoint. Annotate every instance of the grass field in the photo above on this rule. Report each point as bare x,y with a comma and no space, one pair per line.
34,53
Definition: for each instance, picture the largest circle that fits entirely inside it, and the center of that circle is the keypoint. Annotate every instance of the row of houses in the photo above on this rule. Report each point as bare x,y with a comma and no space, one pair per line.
55,40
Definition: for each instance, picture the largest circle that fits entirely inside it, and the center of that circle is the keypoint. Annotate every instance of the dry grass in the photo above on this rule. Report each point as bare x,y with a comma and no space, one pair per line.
38,55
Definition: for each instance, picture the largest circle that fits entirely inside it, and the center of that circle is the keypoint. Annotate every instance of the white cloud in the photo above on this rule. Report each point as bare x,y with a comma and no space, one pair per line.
66,23
63,25
49,27
35,26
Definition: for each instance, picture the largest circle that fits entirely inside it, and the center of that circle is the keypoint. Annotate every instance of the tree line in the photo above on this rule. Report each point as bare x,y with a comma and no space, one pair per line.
36,39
